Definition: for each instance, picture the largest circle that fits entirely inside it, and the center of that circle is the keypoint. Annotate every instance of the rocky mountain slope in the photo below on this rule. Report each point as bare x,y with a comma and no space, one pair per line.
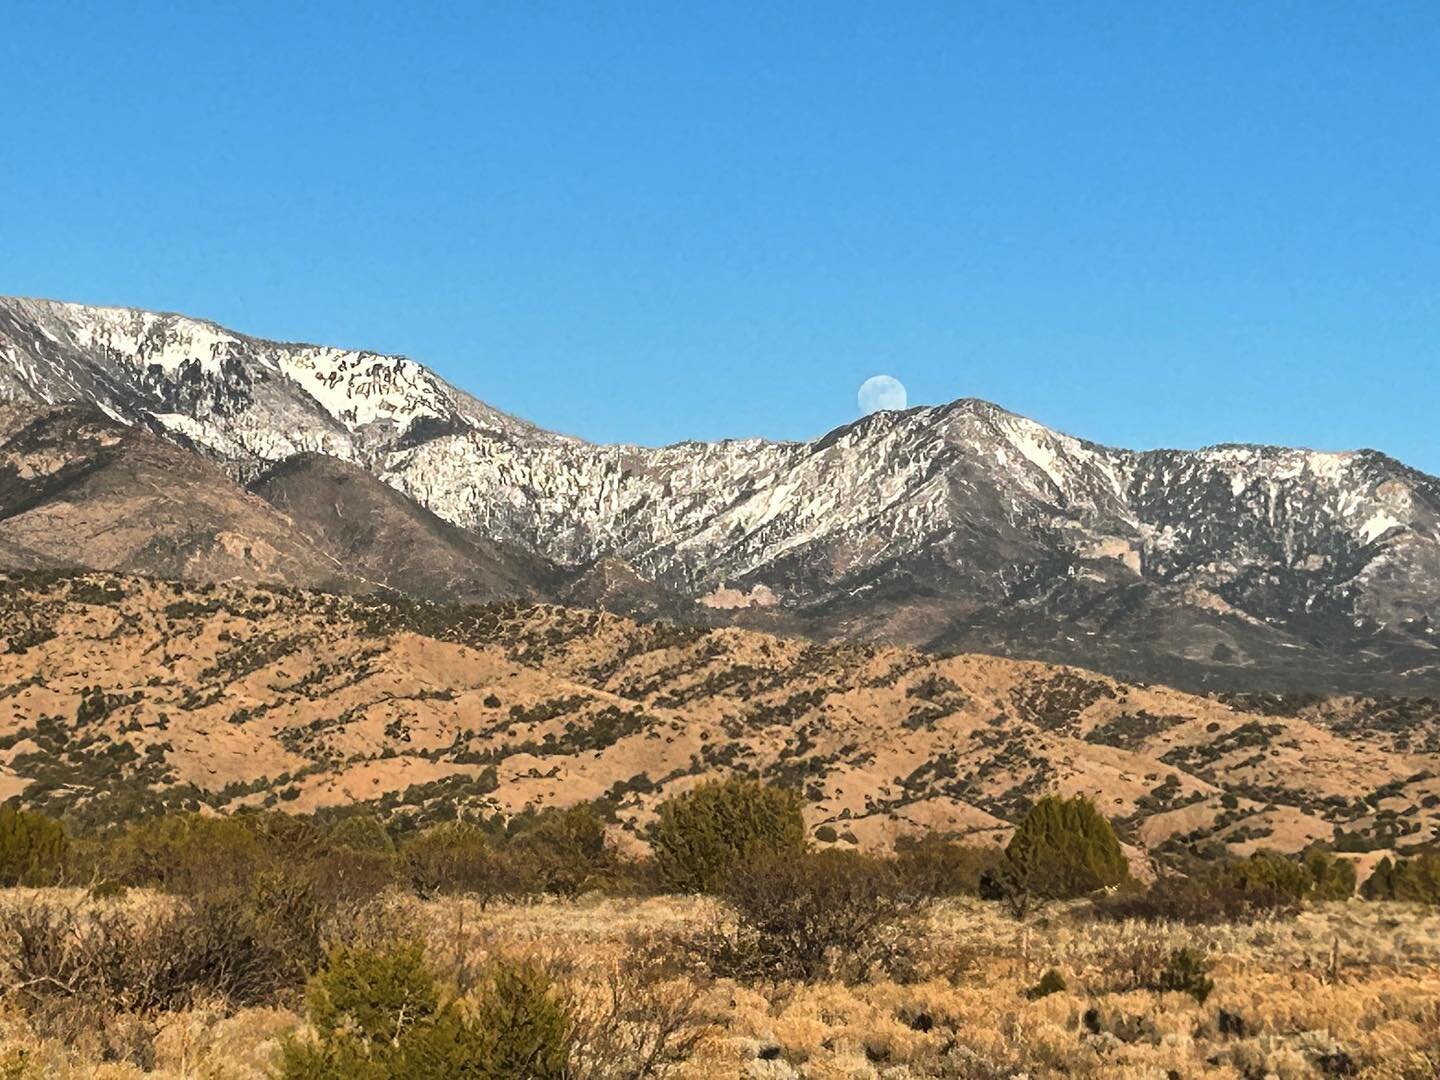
118,694
79,489
957,526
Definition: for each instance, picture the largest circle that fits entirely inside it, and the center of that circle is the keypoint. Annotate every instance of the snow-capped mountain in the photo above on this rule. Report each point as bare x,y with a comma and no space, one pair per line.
955,525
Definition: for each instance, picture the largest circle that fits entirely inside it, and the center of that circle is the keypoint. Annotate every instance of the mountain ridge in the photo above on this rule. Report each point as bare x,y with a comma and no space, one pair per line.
962,522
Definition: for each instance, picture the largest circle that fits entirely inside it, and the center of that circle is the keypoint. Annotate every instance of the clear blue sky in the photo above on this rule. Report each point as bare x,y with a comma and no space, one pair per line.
1148,224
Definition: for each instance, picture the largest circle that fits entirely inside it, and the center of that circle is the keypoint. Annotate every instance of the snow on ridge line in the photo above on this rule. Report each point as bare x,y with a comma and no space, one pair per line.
871,488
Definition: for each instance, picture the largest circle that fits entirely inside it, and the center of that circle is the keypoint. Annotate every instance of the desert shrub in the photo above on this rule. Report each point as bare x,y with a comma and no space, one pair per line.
563,851
648,1019
349,877
185,854
379,1013
532,1025
934,866
33,848
1207,897
1267,872
362,832
242,949
372,993
1186,972
1416,880
1331,877
290,838
460,857
705,833
1062,849
1052,982
802,917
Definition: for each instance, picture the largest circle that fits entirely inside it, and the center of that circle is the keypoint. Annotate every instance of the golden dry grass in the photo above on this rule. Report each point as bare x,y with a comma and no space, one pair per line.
1358,980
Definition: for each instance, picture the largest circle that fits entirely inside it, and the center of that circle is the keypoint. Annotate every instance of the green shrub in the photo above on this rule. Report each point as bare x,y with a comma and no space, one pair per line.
459,857
186,854
563,851
1416,880
362,832
372,994
1062,849
705,833
378,1013
1186,972
1331,877
1266,871
533,1026
33,848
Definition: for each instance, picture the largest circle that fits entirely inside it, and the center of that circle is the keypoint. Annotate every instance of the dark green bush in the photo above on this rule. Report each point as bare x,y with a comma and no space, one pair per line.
532,1029
704,834
1331,877
1186,972
1268,872
1062,849
1052,982
378,1013
33,848
1416,880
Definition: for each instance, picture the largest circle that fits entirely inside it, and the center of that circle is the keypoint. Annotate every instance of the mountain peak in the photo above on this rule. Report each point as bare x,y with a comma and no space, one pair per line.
962,523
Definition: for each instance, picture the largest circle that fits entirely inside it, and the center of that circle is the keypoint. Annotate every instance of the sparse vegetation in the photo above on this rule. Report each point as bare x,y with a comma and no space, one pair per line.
188,920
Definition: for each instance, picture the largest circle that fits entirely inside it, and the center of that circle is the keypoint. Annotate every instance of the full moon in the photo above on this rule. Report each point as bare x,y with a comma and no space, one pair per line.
881,392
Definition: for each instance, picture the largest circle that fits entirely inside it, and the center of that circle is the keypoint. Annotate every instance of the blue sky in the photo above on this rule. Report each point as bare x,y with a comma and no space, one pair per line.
1147,224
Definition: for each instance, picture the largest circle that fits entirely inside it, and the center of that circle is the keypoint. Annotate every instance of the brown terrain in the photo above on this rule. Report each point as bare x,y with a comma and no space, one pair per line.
119,695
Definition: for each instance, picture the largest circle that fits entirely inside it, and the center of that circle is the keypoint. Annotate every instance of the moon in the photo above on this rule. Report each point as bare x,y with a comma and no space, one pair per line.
881,392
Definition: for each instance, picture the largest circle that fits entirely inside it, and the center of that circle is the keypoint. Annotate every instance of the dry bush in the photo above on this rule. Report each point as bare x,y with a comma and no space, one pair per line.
829,912
1197,900
645,1017
241,948
934,866
462,858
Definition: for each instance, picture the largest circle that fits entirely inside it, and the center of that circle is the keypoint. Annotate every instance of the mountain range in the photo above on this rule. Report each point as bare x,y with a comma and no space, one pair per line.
162,445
